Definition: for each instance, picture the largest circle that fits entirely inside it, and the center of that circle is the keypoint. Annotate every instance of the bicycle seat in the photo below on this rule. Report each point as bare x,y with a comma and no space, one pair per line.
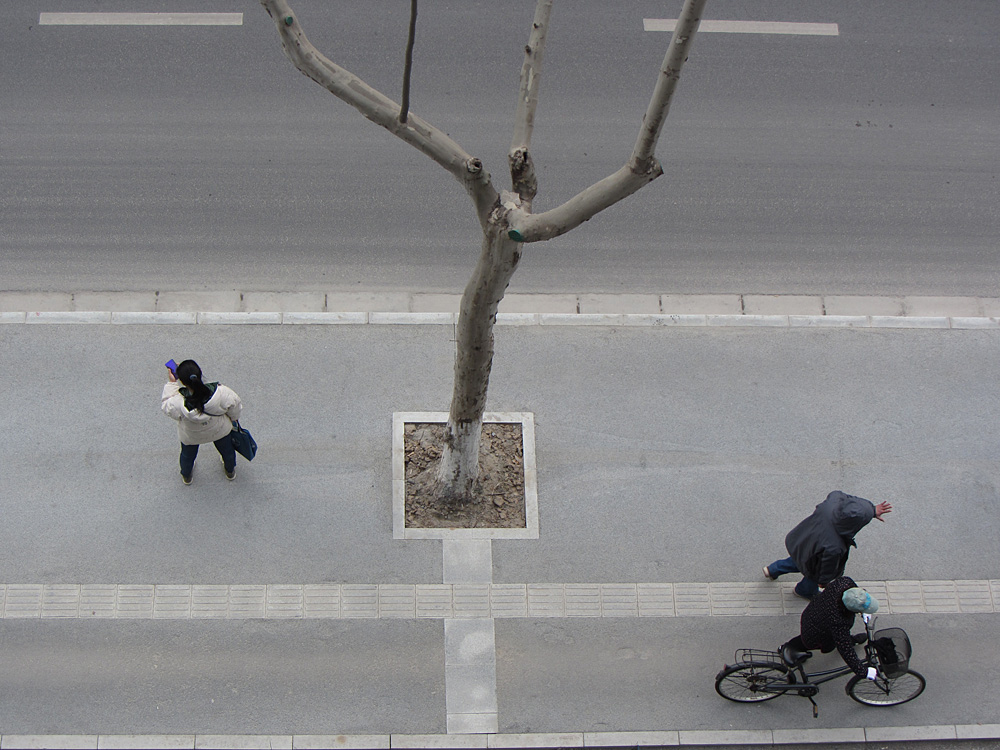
792,654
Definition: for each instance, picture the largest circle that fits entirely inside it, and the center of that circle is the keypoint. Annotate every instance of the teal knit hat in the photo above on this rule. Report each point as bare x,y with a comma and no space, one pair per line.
859,600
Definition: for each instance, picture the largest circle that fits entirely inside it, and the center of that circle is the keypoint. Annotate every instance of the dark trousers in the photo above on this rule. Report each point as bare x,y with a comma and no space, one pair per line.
805,588
225,447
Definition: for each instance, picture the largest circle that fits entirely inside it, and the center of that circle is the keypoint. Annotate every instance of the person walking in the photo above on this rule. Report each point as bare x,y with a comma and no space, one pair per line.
826,623
819,546
204,413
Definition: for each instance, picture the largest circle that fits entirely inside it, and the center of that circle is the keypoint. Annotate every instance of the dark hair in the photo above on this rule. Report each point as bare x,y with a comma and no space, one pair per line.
189,374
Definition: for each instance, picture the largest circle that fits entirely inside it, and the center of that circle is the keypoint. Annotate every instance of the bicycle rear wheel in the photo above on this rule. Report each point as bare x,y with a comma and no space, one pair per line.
748,683
900,689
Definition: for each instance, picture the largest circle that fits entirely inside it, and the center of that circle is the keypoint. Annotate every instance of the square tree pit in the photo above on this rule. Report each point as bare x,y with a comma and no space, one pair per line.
416,443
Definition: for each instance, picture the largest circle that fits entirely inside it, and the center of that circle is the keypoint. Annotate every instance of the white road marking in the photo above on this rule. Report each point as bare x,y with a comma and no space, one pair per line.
748,27
140,19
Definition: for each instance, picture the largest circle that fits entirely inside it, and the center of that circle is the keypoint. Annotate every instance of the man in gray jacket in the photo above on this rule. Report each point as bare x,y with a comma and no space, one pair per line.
818,547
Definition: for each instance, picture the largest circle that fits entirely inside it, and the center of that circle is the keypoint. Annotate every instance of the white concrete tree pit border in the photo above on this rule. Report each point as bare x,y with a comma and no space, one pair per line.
399,530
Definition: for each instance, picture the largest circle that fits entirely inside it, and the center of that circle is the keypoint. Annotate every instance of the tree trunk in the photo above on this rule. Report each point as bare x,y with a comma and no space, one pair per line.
459,467
507,219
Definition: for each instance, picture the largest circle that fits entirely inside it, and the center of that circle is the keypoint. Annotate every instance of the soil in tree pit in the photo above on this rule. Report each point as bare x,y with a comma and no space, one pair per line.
499,496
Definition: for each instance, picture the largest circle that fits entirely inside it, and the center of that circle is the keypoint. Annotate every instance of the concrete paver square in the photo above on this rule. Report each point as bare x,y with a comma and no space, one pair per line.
469,642
471,688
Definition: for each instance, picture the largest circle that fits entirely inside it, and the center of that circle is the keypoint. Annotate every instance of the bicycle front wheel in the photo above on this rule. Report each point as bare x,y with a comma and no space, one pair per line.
748,683
891,692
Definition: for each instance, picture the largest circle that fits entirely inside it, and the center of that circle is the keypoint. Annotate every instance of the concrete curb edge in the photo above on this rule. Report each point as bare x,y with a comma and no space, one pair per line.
637,320
670,738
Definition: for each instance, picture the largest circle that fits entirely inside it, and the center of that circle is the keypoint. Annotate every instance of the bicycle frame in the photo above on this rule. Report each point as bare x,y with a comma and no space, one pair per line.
809,682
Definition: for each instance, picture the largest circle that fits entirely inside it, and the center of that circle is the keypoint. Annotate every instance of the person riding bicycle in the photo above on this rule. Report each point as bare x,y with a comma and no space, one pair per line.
827,621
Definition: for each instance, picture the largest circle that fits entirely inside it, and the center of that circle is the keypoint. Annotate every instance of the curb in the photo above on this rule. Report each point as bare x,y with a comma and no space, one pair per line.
635,320
235,301
669,738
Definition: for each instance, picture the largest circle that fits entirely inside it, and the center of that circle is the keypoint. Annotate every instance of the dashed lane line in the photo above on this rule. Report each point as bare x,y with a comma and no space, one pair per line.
748,27
140,19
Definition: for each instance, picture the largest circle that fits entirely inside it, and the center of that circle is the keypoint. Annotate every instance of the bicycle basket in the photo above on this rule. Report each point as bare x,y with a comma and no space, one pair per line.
748,655
892,648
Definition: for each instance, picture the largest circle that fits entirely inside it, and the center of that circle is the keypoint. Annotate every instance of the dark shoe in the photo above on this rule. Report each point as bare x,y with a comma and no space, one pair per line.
186,480
860,638
803,596
230,475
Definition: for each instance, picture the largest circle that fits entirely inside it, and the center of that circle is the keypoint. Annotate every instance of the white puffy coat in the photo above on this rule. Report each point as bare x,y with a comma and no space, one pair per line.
194,427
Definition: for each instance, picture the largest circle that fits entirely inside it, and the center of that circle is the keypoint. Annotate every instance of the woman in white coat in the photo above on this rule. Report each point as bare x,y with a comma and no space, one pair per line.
204,412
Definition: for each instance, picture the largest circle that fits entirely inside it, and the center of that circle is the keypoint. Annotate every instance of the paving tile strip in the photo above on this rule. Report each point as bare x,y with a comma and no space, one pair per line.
460,600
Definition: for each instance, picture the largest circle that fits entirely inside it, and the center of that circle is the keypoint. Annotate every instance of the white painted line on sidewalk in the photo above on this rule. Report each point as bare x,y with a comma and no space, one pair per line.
140,19
748,27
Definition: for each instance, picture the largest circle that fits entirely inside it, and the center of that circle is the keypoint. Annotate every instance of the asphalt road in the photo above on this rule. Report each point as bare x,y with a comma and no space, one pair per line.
198,158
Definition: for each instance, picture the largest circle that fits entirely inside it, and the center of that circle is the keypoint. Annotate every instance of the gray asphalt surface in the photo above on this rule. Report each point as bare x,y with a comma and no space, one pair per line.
190,158
664,455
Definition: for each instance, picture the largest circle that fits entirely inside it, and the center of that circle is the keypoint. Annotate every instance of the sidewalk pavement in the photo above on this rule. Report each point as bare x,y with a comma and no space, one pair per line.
671,461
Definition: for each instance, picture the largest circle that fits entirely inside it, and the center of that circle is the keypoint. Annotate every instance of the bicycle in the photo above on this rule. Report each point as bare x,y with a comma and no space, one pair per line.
760,676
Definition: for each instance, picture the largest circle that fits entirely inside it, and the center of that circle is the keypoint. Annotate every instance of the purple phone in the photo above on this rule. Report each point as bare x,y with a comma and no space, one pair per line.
172,366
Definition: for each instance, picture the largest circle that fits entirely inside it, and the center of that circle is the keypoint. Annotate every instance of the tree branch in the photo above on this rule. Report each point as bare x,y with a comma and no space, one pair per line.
670,73
522,168
528,227
381,110
531,73
404,108
642,166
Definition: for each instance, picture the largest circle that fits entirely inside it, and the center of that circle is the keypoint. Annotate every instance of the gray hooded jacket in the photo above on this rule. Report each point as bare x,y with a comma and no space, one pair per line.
821,543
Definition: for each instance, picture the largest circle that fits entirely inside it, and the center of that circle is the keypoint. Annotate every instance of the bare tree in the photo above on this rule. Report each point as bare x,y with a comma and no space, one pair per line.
506,217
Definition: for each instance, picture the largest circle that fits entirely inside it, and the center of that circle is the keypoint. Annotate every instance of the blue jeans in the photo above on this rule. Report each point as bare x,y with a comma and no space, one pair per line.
805,588
225,447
